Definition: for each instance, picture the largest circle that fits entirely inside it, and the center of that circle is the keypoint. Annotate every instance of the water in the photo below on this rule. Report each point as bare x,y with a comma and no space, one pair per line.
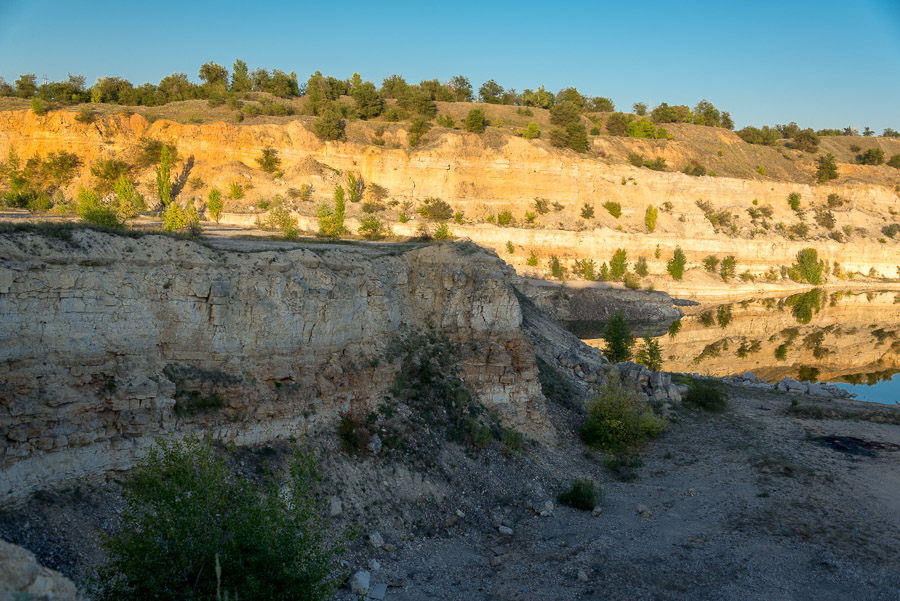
850,338
885,391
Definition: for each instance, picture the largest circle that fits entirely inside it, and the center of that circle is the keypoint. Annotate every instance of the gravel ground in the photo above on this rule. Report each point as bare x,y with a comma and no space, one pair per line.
752,503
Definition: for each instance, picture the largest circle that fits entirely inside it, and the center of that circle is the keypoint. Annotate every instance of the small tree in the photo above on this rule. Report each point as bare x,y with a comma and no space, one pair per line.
531,131
93,211
128,201
640,267
872,156
331,219
650,217
808,266
794,201
215,204
475,121
269,161
727,268
193,529
618,265
675,265
355,187
827,168
650,355
330,125
619,340
164,177
174,218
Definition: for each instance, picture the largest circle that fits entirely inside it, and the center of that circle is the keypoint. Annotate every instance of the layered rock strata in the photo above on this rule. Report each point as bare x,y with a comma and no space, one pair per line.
109,342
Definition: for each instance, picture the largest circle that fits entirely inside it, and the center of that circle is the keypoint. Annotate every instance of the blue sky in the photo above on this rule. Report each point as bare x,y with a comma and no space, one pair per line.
820,63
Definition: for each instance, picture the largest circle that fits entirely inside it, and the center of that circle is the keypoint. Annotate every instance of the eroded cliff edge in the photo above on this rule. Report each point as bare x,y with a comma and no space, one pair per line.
100,334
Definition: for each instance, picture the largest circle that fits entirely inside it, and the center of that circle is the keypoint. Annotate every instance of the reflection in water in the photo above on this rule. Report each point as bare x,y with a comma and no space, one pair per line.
841,336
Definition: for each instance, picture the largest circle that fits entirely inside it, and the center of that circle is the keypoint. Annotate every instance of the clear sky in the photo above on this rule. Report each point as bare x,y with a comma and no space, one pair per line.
822,63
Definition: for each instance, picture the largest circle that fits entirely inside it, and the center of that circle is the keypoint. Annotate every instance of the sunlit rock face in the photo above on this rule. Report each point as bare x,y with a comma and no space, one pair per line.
102,335
484,175
825,335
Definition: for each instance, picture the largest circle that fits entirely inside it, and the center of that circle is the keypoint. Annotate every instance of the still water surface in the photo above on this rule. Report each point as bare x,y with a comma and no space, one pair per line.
851,338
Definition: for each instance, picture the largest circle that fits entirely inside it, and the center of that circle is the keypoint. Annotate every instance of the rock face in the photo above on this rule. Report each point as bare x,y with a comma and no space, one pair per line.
108,342
22,577
484,175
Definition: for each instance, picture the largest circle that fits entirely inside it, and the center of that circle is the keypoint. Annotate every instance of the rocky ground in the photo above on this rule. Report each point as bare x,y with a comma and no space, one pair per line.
763,501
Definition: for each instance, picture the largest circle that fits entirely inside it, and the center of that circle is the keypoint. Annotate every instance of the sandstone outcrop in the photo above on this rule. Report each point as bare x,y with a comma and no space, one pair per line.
108,342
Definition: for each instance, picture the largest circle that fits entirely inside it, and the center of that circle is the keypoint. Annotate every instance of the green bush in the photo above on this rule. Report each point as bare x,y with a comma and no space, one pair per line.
587,211
640,267
706,394
808,267
613,208
194,530
442,232
269,161
636,159
236,191
632,281
330,125
617,334
556,269
372,228
475,121
650,217
710,263
675,265
93,211
618,265
619,417
504,218
584,494
872,156
794,201
826,168
532,260
894,161
650,355
530,132
215,204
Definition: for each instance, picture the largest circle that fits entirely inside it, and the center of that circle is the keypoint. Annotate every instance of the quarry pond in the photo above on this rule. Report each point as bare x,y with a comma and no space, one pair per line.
847,337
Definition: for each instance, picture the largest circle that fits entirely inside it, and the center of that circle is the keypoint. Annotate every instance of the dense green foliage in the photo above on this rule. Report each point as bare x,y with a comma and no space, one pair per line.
269,161
706,394
618,418
826,168
650,354
584,494
194,530
475,121
619,341
215,204
618,265
808,267
675,265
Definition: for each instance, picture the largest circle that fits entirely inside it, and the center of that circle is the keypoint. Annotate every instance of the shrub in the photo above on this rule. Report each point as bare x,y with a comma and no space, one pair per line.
532,260
808,267
174,218
872,156
585,268
825,218
675,265
164,176
556,269
330,125
613,208
85,115
303,193
618,264
372,228
781,352
475,121
650,217
826,169
890,230
509,247
617,334
587,211
574,136
695,169
806,140
727,268
504,218
93,211
331,218
236,191
635,158
435,209
39,106
657,164
640,267
269,161
619,417
894,161
193,529
541,205
632,281
710,262
706,394
418,128
794,201
442,232
583,495
650,355
107,171
530,132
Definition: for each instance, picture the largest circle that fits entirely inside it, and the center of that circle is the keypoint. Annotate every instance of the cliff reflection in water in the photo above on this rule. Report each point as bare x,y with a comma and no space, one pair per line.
841,336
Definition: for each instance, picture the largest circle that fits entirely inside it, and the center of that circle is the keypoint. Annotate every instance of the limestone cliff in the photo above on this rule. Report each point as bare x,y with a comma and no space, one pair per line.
483,175
107,342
